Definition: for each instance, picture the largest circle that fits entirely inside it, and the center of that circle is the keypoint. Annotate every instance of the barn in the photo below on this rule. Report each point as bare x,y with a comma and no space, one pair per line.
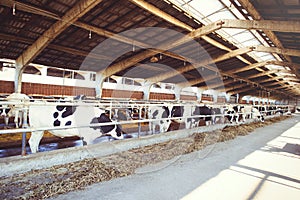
143,99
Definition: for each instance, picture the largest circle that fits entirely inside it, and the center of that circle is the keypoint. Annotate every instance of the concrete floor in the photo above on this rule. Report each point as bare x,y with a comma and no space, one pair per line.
262,165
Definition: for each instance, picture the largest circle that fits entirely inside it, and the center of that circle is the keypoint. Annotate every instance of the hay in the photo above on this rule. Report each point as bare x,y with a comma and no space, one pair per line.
50,182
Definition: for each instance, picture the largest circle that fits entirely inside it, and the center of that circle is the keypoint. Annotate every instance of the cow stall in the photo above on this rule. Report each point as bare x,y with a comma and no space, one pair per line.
56,116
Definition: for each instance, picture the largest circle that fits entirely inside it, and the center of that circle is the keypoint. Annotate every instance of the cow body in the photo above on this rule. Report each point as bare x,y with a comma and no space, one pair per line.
202,110
183,114
233,113
65,115
162,113
217,115
251,112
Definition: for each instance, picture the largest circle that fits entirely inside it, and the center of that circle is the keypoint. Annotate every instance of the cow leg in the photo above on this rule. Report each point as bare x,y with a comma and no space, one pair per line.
244,117
34,140
20,119
207,123
237,118
150,127
188,123
232,118
16,119
6,120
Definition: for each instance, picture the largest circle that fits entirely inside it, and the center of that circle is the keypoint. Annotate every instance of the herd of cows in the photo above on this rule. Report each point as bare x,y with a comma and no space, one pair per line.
86,120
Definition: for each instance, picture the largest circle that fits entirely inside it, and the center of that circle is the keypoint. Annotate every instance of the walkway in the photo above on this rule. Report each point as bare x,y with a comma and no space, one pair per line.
262,165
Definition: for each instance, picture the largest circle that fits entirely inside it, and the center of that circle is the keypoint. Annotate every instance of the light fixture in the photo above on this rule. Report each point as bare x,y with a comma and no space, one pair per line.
14,9
90,34
153,59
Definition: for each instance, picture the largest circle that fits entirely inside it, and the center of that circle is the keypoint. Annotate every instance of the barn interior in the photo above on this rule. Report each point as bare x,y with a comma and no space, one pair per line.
236,46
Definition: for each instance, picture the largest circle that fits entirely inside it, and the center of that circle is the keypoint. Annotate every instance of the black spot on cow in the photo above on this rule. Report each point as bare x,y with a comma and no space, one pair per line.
55,115
102,119
60,108
154,114
4,110
68,123
177,111
56,123
68,110
166,112
204,110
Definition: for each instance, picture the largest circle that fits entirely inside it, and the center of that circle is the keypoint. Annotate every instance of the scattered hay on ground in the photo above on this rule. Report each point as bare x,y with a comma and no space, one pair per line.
49,182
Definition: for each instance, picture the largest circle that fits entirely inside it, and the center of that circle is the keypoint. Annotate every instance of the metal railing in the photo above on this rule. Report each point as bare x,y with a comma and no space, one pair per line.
24,108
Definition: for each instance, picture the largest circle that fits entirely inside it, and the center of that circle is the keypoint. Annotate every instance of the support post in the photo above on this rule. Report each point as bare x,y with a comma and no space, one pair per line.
99,84
199,94
18,77
146,89
24,125
177,91
215,96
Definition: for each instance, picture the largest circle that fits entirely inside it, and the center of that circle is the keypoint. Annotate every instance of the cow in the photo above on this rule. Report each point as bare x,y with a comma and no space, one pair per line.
159,112
183,115
249,111
262,109
131,113
80,116
205,111
271,110
217,114
233,113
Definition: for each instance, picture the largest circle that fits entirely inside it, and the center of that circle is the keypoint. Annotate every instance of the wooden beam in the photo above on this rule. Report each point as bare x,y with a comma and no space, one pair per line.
263,74
70,17
269,25
210,28
248,67
159,13
282,51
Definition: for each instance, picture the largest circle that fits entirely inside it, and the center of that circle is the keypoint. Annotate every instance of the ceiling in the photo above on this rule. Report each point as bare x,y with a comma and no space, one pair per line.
161,41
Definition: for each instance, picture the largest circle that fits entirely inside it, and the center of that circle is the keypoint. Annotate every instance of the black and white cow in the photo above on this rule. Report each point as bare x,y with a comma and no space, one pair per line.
159,112
248,111
271,110
233,113
206,112
218,114
67,115
183,115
